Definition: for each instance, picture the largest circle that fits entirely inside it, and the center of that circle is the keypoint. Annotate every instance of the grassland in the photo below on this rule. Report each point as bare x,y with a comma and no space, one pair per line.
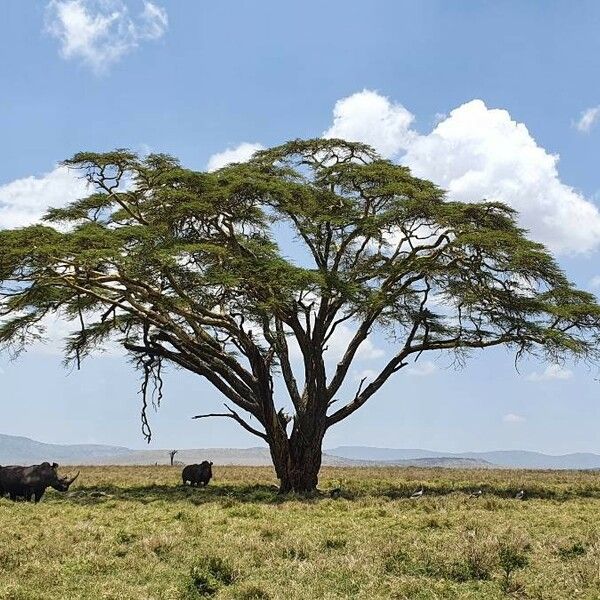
135,533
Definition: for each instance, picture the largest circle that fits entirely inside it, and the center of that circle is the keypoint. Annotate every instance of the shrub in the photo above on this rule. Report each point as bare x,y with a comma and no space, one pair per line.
208,575
511,559
573,551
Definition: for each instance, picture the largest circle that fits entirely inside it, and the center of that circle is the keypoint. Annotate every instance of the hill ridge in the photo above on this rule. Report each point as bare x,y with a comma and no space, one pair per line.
503,458
24,450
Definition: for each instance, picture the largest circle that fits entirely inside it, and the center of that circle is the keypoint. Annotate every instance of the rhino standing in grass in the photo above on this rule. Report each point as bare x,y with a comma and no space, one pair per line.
197,474
31,482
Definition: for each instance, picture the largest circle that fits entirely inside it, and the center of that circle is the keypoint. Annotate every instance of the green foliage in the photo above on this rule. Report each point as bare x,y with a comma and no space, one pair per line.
206,239
186,267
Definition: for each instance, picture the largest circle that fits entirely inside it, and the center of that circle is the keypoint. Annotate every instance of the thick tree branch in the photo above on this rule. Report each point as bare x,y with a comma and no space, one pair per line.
195,366
236,417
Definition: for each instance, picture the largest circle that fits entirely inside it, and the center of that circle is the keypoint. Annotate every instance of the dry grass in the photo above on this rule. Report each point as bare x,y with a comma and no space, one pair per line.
135,533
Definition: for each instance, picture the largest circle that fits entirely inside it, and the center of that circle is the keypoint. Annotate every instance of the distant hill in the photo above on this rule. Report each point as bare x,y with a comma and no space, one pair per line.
22,450
261,457
446,462
219,456
518,459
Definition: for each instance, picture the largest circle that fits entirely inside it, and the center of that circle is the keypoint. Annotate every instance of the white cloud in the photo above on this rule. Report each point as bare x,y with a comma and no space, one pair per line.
24,201
588,118
100,32
373,119
512,418
477,153
339,341
422,369
153,22
595,281
551,372
368,374
239,154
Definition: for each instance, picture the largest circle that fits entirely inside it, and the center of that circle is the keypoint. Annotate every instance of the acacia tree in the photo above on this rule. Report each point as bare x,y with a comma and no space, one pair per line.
188,268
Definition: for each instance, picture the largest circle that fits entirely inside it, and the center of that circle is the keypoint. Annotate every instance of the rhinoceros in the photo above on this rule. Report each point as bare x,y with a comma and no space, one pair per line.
31,482
197,474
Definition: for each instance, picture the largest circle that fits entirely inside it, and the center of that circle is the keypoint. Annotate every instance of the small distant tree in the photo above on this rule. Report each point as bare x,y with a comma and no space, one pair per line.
187,268
172,454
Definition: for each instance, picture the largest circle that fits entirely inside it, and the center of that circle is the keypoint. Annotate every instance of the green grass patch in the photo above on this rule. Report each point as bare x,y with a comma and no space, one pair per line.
137,533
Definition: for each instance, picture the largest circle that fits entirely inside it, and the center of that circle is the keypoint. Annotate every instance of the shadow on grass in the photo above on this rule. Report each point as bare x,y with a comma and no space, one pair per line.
268,494
500,493
146,494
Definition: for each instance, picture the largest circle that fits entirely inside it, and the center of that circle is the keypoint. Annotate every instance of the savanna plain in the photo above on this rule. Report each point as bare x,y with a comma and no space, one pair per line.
137,533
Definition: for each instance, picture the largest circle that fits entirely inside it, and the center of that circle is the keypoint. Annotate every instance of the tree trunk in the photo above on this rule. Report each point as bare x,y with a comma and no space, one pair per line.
297,461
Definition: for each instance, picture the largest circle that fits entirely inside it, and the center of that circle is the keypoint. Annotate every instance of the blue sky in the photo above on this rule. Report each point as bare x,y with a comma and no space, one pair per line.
488,99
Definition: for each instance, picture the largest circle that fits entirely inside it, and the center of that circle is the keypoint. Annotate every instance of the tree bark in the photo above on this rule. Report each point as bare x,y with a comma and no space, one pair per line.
297,460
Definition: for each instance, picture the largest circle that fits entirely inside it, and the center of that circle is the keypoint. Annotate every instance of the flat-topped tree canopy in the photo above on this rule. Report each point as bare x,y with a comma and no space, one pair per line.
187,267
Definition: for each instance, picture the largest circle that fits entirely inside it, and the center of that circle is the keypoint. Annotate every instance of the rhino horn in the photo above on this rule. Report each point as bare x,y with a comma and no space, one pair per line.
70,481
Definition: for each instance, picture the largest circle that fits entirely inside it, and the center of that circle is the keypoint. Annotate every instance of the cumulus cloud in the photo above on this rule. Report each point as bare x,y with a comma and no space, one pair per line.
239,154
480,153
100,32
339,341
588,118
373,119
477,153
513,418
24,201
551,372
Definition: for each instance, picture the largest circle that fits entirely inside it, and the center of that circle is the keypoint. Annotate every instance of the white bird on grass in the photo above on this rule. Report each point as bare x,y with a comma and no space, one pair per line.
476,494
520,495
417,494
